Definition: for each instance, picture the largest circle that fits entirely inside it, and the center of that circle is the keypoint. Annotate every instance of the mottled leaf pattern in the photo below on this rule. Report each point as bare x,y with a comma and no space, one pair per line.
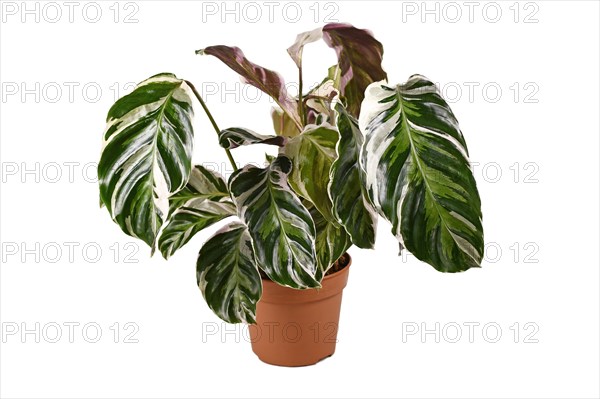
312,154
237,136
266,80
147,154
418,174
331,242
201,203
282,230
351,205
227,274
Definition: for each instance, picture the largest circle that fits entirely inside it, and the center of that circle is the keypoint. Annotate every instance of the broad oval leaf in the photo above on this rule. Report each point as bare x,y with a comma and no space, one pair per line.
238,136
312,154
418,174
266,80
351,204
147,154
201,203
282,230
227,274
331,242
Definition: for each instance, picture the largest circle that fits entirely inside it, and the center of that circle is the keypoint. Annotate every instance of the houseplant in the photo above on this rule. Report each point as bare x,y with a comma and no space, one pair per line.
350,149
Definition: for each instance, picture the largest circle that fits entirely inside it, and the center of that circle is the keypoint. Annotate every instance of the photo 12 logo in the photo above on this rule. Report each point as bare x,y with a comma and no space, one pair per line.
68,252
469,331
63,92
53,12
470,12
269,11
69,332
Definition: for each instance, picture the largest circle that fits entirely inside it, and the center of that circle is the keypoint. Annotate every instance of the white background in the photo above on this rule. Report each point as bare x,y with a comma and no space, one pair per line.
541,225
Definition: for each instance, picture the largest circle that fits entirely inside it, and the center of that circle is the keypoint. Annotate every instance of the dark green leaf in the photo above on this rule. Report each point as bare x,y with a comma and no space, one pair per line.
331,242
348,191
201,203
147,154
418,174
237,136
227,274
281,228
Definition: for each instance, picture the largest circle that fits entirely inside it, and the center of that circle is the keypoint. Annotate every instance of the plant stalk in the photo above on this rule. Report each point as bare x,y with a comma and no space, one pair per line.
300,102
212,121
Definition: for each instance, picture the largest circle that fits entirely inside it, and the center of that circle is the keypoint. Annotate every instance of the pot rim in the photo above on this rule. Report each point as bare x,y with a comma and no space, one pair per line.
332,284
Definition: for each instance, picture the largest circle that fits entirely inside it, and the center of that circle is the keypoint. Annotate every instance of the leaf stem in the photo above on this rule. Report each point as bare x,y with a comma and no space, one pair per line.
300,102
212,121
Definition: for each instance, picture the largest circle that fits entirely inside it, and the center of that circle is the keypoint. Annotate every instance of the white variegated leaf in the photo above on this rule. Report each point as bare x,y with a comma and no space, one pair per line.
331,241
282,230
227,274
147,154
312,154
201,203
238,136
418,173
350,202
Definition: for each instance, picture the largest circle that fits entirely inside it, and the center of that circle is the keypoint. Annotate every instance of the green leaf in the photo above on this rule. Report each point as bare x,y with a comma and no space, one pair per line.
351,204
227,274
282,231
359,59
237,136
283,125
312,154
201,203
266,80
418,174
147,154
331,242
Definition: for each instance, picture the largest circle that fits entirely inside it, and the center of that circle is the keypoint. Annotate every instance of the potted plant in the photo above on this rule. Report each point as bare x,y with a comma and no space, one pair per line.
351,149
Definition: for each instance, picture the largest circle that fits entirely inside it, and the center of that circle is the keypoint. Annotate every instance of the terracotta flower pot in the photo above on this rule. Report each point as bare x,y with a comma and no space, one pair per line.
298,327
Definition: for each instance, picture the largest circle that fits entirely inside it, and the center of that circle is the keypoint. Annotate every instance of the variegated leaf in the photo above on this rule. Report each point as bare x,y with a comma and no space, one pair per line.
318,103
237,136
359,59
147,154
331,242
266,80
227,274
351,205
312,154
201,203
418,173
282,231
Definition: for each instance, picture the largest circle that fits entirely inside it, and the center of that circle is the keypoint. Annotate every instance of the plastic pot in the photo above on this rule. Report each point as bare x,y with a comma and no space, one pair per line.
298,327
